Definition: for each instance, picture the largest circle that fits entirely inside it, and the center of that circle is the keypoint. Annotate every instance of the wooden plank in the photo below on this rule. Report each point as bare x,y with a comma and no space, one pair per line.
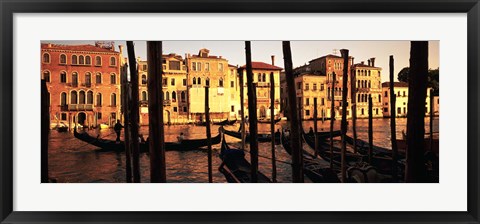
252,113
393,130
344,126
126,121
332,116
134,112
272,125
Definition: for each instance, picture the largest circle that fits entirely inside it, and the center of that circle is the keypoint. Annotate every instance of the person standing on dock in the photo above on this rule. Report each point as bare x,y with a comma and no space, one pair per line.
118,130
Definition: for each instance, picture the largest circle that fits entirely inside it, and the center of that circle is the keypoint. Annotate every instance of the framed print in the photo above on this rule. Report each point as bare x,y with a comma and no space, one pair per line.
157,111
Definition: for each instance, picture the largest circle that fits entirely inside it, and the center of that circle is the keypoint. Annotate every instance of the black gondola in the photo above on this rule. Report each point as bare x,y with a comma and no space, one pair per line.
62,129
111,145
317,169
225,122
261,137
324,150
236,168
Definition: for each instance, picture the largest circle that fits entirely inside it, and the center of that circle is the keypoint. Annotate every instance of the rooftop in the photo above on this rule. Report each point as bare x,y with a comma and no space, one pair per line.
84,47
395,84
262,65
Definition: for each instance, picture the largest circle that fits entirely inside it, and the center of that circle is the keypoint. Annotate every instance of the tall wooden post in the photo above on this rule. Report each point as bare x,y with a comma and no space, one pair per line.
272,125
45,130
332,117
344,114
126,122
297,156
315,128
431,118
252,113
370,128
242,108
156,140
209,135
417,93
393,130
353,100
134,113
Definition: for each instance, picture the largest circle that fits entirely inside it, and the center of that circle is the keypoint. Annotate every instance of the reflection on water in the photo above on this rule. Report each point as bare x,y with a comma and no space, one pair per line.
74,161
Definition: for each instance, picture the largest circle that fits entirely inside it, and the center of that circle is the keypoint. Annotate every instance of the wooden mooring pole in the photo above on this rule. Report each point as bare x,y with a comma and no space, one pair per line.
315,128
252,113
272,125
45,130
242,108
370,128
344,127
431,119
156,139
297,156
393,128
353,100
126,121
209,135
417,93
134,112
332,117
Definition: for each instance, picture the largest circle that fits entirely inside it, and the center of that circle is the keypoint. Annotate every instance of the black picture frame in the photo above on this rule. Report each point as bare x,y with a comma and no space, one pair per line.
9,7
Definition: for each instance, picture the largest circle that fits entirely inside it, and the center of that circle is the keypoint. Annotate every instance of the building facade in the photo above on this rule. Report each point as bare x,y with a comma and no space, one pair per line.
368,83
311,87
261,78
83,82
401,92
212,71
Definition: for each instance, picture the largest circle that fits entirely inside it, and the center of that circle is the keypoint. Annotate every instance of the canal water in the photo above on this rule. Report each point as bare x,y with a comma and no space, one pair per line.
74,161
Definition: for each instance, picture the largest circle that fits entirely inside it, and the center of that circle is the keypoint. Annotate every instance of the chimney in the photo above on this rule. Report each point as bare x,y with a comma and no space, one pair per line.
49,45
362,62
120,48
353,60
273,60
373,61
369,62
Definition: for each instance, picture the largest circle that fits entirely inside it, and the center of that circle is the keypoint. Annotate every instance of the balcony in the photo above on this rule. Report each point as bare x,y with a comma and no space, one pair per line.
80,107
88,84
74,84
143,103
166,102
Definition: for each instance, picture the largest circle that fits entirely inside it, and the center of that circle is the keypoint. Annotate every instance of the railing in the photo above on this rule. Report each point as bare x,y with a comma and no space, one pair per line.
143,103
76,107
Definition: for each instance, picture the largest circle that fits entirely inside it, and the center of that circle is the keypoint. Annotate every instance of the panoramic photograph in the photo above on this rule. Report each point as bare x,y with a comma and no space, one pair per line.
116,111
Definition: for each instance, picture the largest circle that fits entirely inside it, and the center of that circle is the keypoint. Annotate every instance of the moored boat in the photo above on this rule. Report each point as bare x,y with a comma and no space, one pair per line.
268,120
111,145
261,137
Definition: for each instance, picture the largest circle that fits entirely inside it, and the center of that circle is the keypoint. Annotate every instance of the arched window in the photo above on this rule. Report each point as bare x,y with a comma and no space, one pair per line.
46,58
167,96
369,84
98,61
81,60
379,98
113,61
98,78
63,99
207,81
113,79
63,59
63,77
182,96
194,81
220,82
264,78
74,60
88,60
88,79
359,98
46,76
259,77
174,96
144,79
358,84
81,97
144,96
199,81
73,97
74,79
89,97
369,72
113,100
99,100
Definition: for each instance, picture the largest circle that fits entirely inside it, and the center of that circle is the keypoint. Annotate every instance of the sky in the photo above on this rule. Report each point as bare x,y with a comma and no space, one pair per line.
302,51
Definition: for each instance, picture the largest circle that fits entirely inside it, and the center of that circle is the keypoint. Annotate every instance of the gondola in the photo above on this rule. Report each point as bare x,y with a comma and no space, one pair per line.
363,146
111,145
62,129
268,120
236,168
322,135
324,150
225,122
317,169
261,137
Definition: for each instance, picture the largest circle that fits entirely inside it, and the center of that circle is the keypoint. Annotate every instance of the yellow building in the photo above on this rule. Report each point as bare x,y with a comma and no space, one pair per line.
309,87
174,89
401,105
368,83
261,78
213,71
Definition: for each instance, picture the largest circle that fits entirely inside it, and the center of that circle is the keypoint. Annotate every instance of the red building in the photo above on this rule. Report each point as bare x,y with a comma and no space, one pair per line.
83,82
